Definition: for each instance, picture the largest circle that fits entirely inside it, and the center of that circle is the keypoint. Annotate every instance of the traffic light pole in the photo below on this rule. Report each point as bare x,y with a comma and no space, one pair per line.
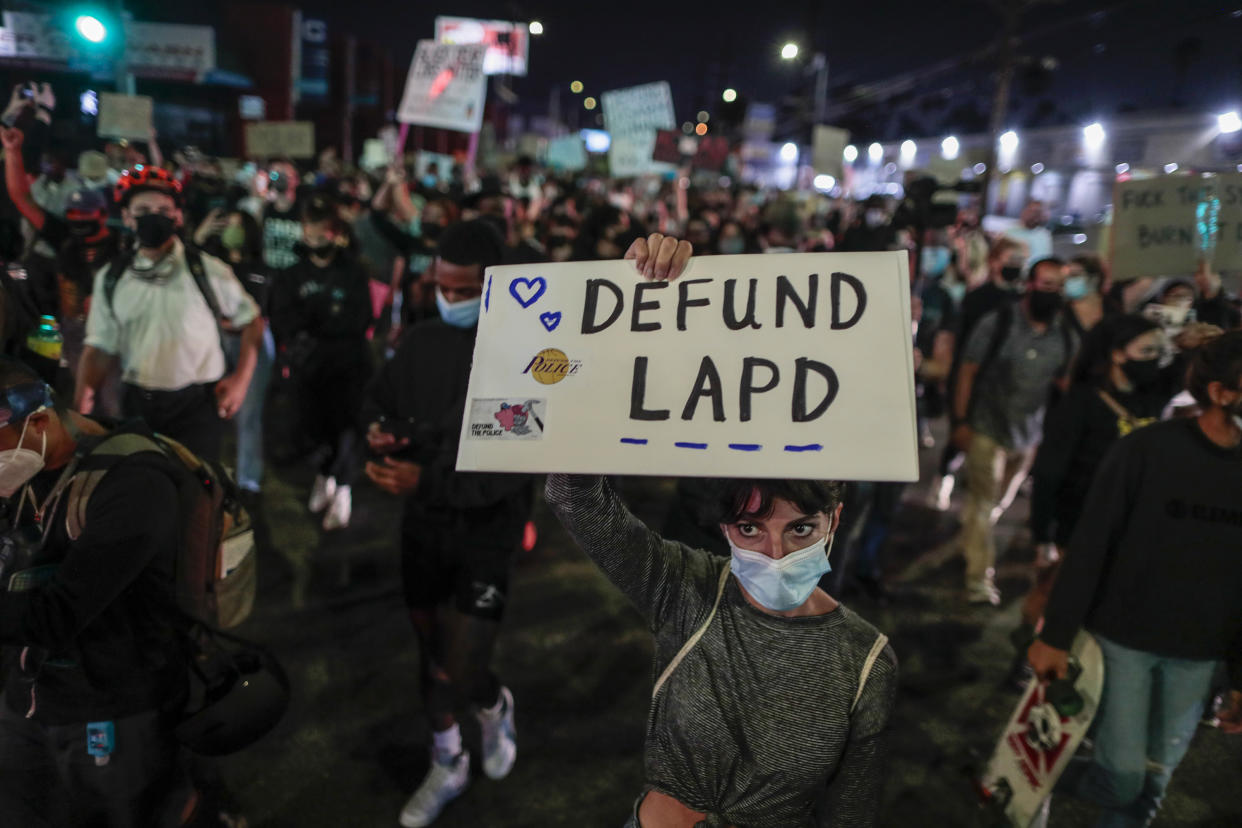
120,63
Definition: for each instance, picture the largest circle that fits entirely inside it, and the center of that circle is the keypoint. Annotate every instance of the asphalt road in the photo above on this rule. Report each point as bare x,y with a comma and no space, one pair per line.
577,657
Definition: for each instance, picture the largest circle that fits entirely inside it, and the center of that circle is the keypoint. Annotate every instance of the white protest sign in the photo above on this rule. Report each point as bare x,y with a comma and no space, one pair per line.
793,366
632,116
124,116
567,152
445,87
828,150
274,139
1153,232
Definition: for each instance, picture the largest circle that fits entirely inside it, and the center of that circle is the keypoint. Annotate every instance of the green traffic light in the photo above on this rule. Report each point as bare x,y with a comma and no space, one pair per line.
91,28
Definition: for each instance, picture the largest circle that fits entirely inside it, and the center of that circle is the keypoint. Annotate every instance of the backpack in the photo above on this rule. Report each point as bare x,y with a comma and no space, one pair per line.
215,568
1004,323
193,260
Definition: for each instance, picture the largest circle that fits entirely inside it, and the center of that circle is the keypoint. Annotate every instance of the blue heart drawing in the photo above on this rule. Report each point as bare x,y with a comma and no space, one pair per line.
550,320
527,291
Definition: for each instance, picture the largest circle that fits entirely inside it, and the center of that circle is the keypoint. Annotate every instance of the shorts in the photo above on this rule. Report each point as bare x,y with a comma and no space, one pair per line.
461,554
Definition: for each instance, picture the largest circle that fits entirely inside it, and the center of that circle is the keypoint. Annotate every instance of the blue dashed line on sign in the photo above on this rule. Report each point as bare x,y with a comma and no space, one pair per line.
633,441
691,445
487,296
809,447
745,446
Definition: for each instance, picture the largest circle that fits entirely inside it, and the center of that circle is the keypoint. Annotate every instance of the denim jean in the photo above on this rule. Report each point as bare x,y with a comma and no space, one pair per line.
249,419
1148,714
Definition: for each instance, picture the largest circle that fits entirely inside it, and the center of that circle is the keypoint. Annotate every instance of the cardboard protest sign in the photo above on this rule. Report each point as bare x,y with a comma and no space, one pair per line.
124,116
445,87
828,150
1153,232
632,116
272,139
764,366
711,154
567,152
667,146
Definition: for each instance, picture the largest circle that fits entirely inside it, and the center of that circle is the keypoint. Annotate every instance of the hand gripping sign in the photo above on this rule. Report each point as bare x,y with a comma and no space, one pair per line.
791,366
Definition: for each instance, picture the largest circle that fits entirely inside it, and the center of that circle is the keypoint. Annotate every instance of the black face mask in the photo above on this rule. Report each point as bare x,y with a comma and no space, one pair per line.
323,251
431,232
1043,305
1011,273
154,229
1141,372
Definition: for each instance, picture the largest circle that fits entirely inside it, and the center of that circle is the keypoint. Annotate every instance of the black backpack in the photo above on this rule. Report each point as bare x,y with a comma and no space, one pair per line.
1004,323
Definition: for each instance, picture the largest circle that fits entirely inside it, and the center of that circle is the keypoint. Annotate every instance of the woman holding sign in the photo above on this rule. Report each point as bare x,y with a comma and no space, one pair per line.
772,700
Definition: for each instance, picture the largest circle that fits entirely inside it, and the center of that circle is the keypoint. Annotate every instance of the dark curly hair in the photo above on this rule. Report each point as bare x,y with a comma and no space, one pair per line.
1217,361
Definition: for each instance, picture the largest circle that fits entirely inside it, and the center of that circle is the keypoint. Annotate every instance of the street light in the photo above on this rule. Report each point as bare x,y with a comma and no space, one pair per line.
576,87
789,152
1229,122
1009,141
589,103
876,153
1093,135
536,28
789,51
90,28
909,150
729,96
850,154
949,148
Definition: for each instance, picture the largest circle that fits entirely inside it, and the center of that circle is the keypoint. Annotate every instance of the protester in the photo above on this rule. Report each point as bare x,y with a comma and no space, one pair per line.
729,646
158,309
280,216
321,310
1163,496
91,643
234,237
458,531
1032,231
1009,365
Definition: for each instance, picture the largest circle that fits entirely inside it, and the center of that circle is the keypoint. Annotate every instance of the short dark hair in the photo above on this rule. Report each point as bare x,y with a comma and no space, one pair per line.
1046,260
732,496
474,242
1217,361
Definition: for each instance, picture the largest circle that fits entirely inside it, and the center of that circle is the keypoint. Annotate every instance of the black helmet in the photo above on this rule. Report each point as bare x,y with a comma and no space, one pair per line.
240,695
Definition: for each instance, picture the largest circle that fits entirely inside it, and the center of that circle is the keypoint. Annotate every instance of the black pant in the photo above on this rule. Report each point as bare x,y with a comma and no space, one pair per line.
47,778
331,396
187,415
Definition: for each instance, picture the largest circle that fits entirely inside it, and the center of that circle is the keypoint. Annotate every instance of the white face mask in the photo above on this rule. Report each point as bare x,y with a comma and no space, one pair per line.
784,584
19,465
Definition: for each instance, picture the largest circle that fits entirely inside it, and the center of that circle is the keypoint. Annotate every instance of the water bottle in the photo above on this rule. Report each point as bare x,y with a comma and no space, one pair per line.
45,340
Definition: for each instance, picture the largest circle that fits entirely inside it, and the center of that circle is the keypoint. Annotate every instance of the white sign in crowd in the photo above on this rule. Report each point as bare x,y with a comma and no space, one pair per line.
446,87
794,366
632,117
1154,232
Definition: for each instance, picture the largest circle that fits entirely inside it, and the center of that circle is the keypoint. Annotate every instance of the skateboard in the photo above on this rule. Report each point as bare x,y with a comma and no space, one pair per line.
1042,735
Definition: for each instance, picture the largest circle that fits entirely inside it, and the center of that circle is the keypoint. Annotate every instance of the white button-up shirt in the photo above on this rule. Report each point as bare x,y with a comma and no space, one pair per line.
162,328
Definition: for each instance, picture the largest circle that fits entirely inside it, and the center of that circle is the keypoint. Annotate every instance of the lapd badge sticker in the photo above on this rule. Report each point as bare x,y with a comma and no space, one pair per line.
507,419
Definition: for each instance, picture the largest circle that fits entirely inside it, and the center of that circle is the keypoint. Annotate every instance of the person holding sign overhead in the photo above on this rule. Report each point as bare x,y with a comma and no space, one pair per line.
773,698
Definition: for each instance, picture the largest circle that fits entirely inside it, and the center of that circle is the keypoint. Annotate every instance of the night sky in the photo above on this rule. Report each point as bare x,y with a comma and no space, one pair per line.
1110,56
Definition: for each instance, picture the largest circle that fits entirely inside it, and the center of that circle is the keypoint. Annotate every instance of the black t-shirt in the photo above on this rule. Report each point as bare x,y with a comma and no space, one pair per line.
939,314
100,636
282,229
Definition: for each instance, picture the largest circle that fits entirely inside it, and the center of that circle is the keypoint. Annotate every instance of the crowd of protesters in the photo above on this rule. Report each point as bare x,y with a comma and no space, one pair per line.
294,302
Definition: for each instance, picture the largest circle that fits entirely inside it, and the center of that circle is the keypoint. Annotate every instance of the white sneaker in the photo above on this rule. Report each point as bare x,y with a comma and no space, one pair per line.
943,492
342,507
322,493
499,737
444,782
983,592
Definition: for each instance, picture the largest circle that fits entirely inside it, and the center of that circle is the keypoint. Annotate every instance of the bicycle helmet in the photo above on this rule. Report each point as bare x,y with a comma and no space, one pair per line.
143,178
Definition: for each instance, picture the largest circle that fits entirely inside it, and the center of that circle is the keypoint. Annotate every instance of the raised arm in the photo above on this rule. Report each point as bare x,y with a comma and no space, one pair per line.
16,180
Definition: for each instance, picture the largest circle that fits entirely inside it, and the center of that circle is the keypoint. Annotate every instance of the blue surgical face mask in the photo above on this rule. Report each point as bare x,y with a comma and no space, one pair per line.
463,314
785,584
1076,287
430,181
935,261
